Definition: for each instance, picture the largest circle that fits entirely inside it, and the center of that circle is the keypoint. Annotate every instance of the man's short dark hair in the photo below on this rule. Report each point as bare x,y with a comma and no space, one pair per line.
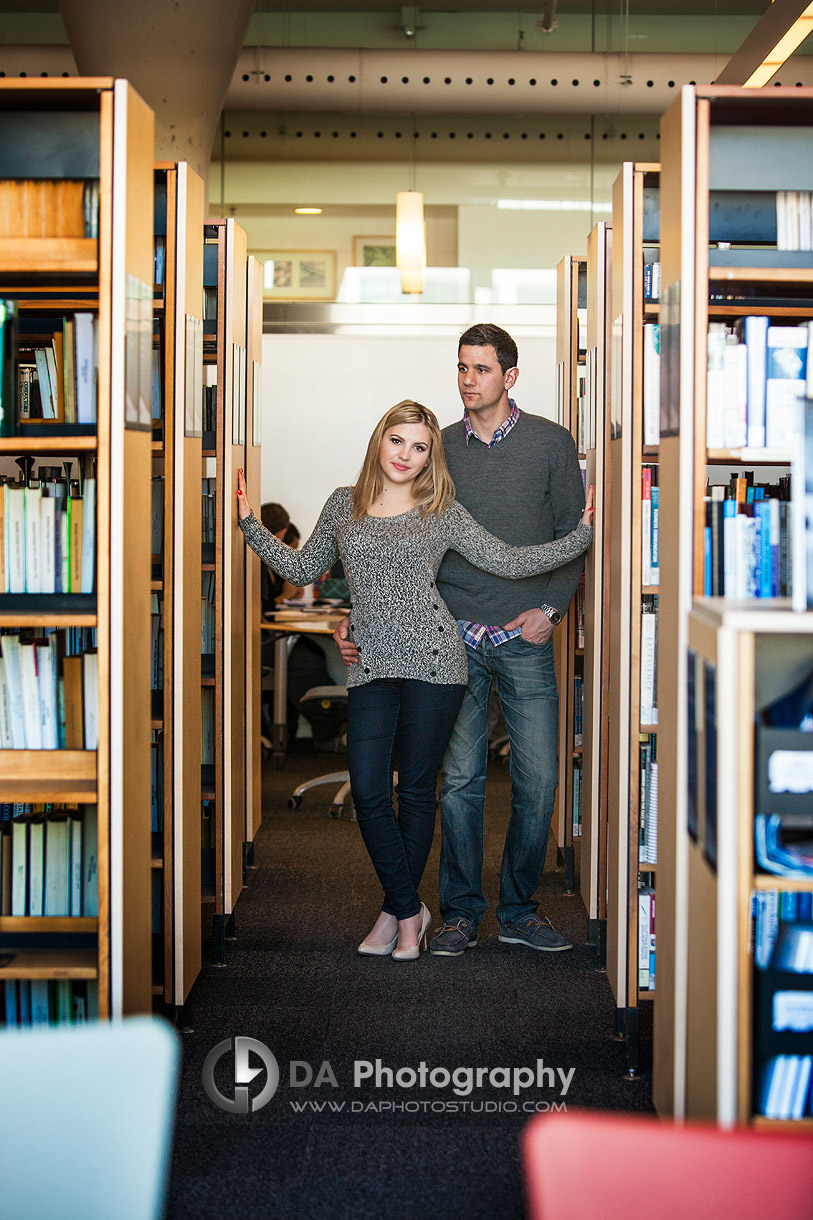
274,517
487,335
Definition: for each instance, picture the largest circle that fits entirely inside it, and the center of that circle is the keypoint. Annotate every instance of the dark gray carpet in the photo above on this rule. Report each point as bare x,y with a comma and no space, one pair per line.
294,981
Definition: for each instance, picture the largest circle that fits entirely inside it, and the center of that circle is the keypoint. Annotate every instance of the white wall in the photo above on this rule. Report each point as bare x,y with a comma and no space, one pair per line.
324,393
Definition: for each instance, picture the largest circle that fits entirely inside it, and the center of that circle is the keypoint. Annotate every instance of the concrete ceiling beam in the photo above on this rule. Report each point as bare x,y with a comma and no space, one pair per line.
180,57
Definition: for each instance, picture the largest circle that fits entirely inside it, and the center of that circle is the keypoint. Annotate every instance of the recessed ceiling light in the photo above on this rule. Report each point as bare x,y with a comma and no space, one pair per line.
308,211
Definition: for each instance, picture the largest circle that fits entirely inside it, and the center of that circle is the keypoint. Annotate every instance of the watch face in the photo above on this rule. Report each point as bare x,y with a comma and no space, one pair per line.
556,618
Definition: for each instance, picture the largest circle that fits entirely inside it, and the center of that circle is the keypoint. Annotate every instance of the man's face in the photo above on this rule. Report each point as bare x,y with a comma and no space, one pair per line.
480,380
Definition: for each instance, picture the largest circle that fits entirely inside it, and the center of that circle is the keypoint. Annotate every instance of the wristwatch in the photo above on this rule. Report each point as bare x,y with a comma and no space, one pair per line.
552,613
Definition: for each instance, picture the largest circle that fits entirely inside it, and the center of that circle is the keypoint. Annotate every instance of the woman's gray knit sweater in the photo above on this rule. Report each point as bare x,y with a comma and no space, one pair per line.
399,621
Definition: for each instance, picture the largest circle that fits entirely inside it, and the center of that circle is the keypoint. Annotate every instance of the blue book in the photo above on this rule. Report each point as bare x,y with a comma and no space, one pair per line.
763,515
707,587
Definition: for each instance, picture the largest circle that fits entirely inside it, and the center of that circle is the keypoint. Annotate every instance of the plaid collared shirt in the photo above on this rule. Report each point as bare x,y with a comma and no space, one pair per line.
503,430
473,632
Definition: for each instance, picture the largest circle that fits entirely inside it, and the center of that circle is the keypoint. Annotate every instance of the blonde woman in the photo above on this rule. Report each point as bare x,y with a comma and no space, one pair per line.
391,531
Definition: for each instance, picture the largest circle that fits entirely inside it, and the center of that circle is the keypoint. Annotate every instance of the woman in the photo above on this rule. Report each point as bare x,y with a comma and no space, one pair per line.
391,531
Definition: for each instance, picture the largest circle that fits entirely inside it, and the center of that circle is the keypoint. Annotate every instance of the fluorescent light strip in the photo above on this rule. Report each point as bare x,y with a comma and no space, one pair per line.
553,205
787,44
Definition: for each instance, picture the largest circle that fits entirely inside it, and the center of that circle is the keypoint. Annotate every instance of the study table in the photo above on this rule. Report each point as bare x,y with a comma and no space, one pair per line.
286,624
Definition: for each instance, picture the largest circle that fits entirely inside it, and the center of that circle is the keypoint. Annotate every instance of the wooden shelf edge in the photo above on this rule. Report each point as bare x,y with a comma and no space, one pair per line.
51,964
41,255
49,923
767,881
58,443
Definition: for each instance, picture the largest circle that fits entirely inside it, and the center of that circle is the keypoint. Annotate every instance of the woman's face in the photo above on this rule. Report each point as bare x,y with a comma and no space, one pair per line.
405,450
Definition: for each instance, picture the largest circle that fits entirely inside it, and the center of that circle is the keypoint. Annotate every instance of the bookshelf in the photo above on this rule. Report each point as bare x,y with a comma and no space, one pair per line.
740,660
223,673
104,273
726,152
253,441
177,424
593,880
632,587
571,309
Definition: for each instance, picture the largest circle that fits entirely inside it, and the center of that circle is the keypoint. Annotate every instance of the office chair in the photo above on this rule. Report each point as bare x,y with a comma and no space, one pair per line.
86,1114
583,1165
334,694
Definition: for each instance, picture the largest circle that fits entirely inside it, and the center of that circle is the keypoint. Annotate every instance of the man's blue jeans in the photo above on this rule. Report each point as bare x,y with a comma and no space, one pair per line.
405,724
526,683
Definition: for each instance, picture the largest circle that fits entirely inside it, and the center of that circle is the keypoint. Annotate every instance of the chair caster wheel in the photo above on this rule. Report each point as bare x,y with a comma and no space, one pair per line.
294,802
335,811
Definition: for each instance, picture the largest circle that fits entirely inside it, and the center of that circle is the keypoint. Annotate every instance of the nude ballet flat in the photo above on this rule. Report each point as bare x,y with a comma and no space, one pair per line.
377,950
409,955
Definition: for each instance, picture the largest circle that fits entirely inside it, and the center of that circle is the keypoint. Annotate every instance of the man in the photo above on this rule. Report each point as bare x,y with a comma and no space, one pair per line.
519,476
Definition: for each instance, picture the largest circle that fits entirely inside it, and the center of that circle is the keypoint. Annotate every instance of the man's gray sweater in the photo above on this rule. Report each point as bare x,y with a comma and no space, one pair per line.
527,489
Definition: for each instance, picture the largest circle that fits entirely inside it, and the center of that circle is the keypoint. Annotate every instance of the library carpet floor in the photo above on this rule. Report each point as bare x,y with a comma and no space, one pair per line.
294,982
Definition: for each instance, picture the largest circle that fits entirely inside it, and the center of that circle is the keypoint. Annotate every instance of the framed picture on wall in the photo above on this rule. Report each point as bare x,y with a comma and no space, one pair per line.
298,275
374,251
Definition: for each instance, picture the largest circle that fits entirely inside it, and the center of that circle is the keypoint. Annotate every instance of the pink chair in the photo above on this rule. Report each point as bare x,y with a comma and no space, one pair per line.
599,1166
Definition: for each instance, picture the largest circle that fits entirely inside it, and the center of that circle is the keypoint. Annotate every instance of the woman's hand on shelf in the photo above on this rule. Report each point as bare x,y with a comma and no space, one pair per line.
587,515
243,506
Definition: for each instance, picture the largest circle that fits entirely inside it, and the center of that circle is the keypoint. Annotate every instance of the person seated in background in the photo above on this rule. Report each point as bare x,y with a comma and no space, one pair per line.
307,665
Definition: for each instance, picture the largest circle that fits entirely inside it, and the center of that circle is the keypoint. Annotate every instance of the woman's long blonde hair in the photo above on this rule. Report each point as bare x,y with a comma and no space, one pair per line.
433,489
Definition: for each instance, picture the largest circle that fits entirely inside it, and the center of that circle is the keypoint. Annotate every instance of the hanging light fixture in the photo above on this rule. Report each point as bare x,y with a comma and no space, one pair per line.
410,240
410,232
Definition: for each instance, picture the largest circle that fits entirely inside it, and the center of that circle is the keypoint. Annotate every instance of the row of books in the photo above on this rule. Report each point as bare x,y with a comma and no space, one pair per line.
757,373
49,207
156,780
770,911
156,643
49,1002
648,801
578,710
207,726
747,544
207,517
48,536
783,1089
784,845
579,612
646,938
49,865
208,617
794,220
51,377
649,659
209,408
650,526
652,281
577,801
157,517
651,392
49,696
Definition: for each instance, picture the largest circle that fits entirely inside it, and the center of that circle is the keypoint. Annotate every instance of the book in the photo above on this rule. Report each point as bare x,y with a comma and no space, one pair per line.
57,867
10,647
88,562
652,384
36,868
85,326
75,536
30,696
90,864
19,867
90,698
786,363
73,703
14,497
755,337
